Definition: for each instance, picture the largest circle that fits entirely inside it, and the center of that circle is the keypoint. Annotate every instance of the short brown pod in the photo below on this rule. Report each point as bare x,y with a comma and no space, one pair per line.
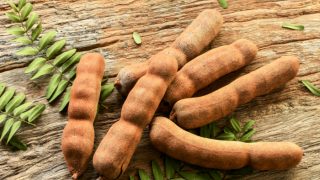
170,139
208,67
190,43
78,135
195,112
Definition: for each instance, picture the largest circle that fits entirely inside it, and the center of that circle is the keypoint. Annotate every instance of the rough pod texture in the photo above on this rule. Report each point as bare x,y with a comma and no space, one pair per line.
195,112
208,67
191,42
78,135
170,139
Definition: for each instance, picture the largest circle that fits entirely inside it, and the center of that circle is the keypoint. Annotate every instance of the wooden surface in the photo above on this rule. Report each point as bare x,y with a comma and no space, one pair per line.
292,114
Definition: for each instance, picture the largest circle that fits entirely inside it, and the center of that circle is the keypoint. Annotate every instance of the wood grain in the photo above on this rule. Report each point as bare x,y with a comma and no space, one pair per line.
291,114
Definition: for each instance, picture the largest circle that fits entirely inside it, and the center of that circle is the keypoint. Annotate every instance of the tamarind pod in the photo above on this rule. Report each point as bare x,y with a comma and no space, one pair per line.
78,134
191,42
170,139
117,147
198,111
208,67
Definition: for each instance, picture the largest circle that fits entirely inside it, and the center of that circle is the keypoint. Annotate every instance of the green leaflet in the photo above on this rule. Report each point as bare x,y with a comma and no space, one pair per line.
65,100
3,117
72,73
293,26
63,84
17,31
314,90
171,165
36,32
23,40
5,98
33,18
227,136
27,51
55,48
47,39
249,124
215,130
63,57
2,88
143,175
136,38
15,127
106,90
15,102
53,84
13,6
235,124
25,11
35,64
21,4
205,131
13,16
44,70
36,111
156,170
18,144
7,127
22,108
247,136
73,60
223,4
131,177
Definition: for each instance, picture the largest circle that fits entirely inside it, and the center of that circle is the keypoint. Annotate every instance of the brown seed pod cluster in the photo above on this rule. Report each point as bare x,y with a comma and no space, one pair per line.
167,137
191,42
78,135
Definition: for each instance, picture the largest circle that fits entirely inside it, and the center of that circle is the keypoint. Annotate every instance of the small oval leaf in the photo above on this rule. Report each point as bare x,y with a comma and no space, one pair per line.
53,84
33,18
22,108
23,40
27,51
47,39
36,111
136,37
18,144
13,16
25,11
106,90
235,124
131,177
17,31
13,6
3,117
73,60
63,84
171,165
156,170
227,136
247,136
36,32
15,102
21,4
314,90
143,175
35,64
293,26
55,48
7,127
6,97
2,88
44,70
65,100
72,73
248,126
15,127
63,57
223,4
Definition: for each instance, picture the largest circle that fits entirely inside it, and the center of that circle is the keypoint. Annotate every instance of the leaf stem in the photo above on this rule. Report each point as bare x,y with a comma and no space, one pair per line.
16,118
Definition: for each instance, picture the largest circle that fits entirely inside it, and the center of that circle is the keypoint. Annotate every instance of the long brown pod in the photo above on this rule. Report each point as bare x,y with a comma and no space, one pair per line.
170,139
78,135
208,67
191,42
198,111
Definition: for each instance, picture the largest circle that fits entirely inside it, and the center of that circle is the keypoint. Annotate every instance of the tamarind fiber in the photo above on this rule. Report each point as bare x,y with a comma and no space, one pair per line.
191,42
78,134
170,139
208,67
195,112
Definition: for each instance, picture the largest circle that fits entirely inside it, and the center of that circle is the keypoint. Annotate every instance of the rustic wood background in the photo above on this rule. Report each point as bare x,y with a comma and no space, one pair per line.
292,114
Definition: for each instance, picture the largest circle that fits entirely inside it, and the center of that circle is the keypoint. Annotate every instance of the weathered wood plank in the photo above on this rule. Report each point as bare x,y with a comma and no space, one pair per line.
106,26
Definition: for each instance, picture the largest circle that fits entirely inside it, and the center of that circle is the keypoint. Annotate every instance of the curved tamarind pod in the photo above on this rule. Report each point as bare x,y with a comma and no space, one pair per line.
78,134
191,42
170,139
195,112
117,147
208,67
